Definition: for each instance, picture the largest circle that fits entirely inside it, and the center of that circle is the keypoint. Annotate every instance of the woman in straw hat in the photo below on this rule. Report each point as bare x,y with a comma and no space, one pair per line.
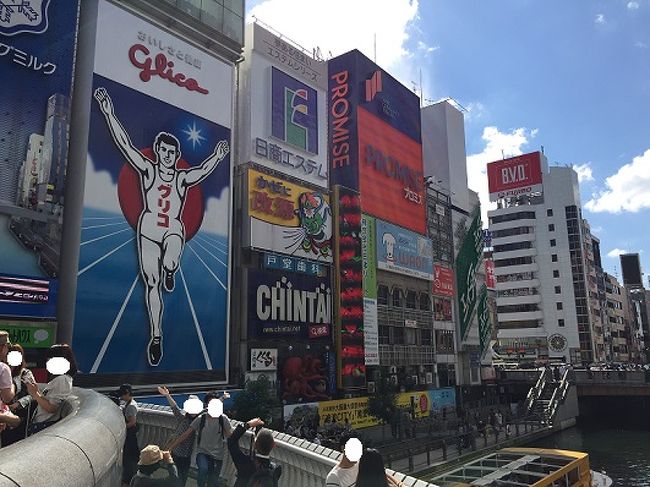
155,469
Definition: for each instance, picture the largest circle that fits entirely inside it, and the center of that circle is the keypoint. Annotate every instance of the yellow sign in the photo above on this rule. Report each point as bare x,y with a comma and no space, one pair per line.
276,200
353,411
418,402
289,218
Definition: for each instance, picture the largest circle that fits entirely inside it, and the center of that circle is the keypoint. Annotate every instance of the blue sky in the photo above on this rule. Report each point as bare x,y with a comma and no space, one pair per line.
573,76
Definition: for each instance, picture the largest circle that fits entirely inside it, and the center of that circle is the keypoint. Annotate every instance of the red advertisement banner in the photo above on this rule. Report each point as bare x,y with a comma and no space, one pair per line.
390,173
515,176
443,281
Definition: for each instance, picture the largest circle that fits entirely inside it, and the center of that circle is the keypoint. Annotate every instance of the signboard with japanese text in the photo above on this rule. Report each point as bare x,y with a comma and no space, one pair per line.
30,334
282,304
515,176
467,263
484,325
403,251
349,289
375,143
291,264
37,60
443,281
289,218
284,106
444,398
154,266
370,312
490,279
264,359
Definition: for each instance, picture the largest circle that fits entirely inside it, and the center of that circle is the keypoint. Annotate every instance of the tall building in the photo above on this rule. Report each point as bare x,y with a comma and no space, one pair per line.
617,312
545,266
631,267
640,321
445,170
55,150
29,172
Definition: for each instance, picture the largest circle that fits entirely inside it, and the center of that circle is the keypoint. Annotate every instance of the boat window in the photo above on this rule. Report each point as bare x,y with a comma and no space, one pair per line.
574,476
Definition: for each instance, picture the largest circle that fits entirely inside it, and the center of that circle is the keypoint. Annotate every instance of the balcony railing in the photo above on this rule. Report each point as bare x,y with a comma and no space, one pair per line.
403,355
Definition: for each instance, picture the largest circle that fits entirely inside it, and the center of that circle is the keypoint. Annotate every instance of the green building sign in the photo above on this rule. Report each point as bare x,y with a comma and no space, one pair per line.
484,325
467,262
30,334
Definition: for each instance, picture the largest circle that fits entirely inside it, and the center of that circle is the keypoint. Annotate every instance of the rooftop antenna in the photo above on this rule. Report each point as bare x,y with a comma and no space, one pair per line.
503,154
542,149
375,47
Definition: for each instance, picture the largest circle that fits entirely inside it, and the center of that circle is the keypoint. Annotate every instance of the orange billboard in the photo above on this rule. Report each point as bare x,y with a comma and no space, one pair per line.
390,173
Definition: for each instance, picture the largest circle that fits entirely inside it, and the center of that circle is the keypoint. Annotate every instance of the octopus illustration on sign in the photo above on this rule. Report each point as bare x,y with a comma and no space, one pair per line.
161,230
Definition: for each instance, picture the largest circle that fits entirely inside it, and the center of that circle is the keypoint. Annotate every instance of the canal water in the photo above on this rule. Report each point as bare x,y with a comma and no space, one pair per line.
623,454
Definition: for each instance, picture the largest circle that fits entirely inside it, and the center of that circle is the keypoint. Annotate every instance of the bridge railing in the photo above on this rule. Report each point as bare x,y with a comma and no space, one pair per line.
84,449
304,464
536,390
618,377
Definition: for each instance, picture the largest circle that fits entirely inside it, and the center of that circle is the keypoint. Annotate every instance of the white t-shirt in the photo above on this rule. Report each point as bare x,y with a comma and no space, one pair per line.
5,379
342,477
55,391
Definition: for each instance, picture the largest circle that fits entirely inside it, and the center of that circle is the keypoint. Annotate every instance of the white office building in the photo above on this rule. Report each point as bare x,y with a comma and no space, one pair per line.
542,253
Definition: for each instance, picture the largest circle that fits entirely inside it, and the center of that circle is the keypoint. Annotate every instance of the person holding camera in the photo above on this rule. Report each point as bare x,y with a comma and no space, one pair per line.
155,469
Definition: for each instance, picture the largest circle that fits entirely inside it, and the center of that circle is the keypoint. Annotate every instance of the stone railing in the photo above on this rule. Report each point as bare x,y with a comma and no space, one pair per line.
84,449
303,463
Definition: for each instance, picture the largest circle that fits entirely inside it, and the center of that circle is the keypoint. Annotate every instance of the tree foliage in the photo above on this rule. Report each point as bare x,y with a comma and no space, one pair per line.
383,403
256,400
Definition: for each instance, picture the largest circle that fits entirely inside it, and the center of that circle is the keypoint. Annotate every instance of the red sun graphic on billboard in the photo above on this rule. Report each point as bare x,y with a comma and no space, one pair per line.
129,194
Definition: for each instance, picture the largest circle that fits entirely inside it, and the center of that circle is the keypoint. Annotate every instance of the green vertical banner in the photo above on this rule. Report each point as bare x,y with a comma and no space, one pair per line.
482,312
369,275
369,255
467,263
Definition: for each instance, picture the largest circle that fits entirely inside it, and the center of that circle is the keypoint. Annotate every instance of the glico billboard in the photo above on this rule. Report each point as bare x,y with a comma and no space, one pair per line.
515,176
154,265
375,143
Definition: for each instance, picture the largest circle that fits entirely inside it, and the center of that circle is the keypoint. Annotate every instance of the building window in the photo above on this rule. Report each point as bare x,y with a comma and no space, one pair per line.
553,257
425,302
384,335
426,337
409,336
558,290
558,306
442,309
560,323
551,227
556,273
549,212
397,297
398,335
553,242
382,295
444,341
411,299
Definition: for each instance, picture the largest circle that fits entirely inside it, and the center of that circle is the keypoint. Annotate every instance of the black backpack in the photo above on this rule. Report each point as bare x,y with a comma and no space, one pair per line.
202,425
264,476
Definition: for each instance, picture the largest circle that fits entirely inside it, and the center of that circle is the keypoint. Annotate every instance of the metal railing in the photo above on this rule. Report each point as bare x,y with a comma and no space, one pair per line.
535,391
558,397
304,464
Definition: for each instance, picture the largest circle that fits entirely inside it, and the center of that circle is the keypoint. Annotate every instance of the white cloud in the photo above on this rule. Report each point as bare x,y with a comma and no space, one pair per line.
423,46
216,218
387,19
584,172
596,230
613,254
633,5
640,45
497,145
600,19
474,111
101,192
627,190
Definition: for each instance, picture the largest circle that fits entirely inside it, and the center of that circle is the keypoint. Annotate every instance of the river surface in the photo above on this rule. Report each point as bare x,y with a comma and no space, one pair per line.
623,454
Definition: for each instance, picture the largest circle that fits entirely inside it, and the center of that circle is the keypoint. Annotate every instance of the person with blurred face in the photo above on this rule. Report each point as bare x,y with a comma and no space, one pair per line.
7,389
210,445
20,374
344,473
61,367
131,450
182,453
